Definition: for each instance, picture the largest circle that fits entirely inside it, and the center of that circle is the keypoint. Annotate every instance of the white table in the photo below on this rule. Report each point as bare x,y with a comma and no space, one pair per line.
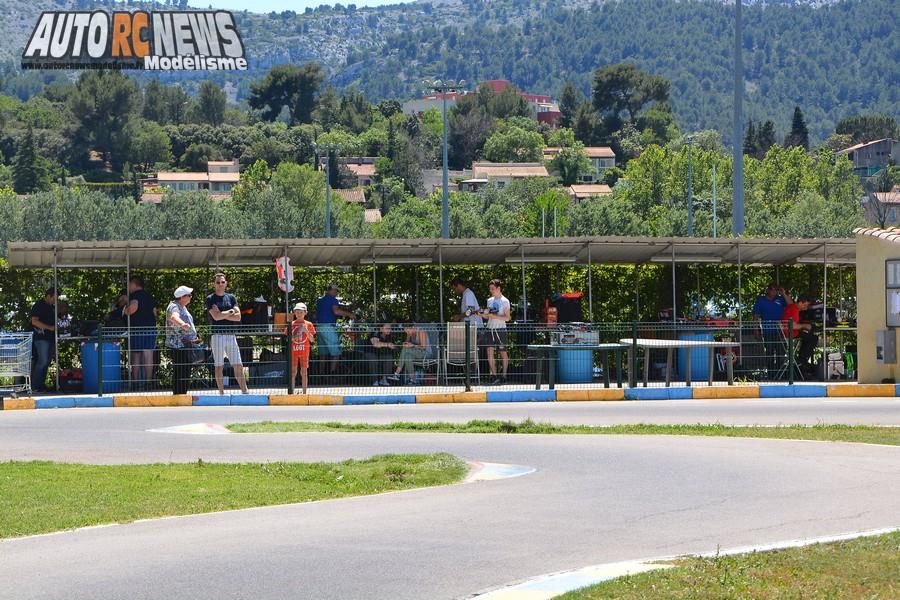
670,345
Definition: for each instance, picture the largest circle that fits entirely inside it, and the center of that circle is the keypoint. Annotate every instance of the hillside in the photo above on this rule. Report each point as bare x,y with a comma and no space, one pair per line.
831,58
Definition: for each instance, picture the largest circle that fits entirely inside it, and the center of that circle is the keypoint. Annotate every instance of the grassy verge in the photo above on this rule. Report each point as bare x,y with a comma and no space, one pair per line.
38,497
836,433
860,568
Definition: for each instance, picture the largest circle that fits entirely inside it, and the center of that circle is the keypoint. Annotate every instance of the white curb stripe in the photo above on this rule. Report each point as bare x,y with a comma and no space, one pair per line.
551,585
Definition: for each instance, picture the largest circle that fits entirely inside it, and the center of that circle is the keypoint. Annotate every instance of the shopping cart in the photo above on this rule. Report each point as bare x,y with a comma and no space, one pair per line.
15,362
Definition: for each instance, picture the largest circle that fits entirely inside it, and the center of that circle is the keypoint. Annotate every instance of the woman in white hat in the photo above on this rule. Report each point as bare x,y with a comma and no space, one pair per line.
181,337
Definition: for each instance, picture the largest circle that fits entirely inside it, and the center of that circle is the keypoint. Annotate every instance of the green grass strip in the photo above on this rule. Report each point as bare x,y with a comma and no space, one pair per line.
38,497
862,568
835,433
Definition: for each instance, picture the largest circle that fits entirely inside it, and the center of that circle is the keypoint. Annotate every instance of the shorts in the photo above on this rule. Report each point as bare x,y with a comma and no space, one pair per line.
142,341
494,338
225,345
329,341
301,359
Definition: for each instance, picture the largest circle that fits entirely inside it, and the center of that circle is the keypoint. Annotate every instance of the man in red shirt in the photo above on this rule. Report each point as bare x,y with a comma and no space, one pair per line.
801,331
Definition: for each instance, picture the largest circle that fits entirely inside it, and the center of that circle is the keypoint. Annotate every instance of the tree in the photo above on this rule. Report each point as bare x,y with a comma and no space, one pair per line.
570,163
623,88
30,170
867,128
288,86
255,178
103,104
837,141
469,126
155,102
514,144
799,135
569,101
149,145
197,156
211,101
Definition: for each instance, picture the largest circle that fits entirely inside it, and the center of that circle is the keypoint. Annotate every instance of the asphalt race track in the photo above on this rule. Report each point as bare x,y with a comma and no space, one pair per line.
593,499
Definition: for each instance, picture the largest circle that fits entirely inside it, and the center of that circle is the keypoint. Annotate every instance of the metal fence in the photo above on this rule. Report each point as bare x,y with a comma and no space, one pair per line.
410,358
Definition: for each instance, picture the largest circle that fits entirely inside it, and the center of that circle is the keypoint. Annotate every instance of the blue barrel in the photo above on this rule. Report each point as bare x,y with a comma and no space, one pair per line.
111,369
699,357
575,366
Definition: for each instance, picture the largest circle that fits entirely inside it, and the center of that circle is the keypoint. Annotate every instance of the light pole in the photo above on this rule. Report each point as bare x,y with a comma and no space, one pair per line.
737,136
443,87
690,202
327,149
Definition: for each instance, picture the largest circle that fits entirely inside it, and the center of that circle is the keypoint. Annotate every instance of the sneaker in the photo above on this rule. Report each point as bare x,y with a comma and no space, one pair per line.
395,378
379,382
497,381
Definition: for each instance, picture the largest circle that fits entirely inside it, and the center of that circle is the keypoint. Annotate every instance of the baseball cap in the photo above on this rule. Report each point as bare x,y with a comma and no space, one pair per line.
332,286
300,306
182,290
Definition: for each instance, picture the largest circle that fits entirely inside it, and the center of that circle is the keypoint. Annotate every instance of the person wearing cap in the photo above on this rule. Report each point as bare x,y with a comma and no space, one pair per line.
328,309
43,319
181,335
302,335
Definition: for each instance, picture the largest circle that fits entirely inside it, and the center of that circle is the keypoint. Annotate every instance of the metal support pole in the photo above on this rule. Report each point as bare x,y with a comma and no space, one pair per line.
374,292
825,309
632,368
524,293
328,193
790,352
737,136
99,361
469,356
441,282
740,306
674,311
554,222
128,317
590,289
445,198
637,292
55,322
287,299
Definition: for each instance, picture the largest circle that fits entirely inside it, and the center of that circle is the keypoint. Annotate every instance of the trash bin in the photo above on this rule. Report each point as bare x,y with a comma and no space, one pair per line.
575,366
699,357
111,369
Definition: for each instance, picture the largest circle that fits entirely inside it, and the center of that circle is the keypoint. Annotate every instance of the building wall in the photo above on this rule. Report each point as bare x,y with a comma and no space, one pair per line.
871,253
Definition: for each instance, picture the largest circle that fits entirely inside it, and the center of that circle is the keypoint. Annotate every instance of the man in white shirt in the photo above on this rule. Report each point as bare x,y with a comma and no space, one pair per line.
468,303
495,336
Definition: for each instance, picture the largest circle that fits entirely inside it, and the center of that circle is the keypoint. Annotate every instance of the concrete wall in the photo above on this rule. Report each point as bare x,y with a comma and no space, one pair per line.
871,252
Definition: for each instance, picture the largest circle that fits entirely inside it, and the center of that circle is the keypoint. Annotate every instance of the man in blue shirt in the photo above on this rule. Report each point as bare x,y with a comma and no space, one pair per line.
328,309
767,312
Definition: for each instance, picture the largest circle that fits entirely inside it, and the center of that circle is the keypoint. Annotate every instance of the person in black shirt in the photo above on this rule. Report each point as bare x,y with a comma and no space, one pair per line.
223,310
141,310
43,324
380,353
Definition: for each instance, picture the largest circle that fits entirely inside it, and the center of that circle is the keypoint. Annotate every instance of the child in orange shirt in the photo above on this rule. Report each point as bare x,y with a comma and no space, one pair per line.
303,334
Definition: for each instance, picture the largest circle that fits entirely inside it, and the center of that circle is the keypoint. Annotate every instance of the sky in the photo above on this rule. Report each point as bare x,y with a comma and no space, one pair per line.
264,6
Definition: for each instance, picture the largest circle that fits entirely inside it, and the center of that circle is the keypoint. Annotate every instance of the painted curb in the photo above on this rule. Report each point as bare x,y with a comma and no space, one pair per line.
862,390
522,396
18,404
152,401
381,399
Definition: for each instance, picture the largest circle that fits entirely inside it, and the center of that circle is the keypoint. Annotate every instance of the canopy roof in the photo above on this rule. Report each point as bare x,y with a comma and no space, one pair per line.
152,254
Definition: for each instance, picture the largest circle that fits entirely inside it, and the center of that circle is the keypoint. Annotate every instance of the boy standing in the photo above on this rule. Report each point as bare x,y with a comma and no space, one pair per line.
302,335
495,336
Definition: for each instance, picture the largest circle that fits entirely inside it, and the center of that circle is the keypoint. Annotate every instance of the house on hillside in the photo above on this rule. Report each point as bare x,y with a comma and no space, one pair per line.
500,174
870,157
601,157
353,195
362,167
219,180
543,108
433,179
580,192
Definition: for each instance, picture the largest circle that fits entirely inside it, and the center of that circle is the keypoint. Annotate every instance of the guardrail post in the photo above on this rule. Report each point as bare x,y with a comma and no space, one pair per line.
289,366
469,357
790,353
99,361
632,368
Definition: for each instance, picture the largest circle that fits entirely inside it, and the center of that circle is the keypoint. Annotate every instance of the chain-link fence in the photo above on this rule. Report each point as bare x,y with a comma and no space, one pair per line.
412,358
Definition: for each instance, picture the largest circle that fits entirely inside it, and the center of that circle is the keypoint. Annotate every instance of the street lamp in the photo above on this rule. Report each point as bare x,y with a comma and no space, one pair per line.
443,87
327,149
